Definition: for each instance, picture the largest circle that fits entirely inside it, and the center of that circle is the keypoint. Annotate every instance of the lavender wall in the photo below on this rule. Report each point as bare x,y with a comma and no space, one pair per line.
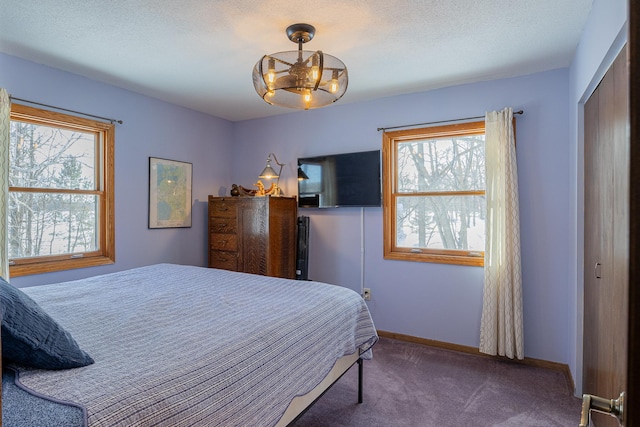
435,301
151,128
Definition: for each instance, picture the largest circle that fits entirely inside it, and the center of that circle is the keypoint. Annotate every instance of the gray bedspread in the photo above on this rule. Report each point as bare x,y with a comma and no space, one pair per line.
184,346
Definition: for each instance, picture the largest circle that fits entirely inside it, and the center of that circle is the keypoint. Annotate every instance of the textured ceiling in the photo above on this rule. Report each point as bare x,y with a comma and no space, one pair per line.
200,53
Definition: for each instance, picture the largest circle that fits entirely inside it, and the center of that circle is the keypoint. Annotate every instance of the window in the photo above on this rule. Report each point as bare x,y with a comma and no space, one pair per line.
61,210
434,194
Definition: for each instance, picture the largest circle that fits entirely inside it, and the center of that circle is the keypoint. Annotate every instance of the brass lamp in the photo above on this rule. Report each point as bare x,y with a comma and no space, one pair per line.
269,173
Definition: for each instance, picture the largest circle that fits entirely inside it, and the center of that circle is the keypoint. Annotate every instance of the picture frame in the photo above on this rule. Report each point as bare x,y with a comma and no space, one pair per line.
170,199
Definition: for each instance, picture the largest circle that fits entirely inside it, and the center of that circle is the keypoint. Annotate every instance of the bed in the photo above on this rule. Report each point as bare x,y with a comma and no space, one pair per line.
180,345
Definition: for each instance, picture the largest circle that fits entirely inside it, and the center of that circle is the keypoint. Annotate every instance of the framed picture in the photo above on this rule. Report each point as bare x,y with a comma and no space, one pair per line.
169,193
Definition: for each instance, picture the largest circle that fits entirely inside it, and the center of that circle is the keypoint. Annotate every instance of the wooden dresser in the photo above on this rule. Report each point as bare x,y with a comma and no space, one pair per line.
253,235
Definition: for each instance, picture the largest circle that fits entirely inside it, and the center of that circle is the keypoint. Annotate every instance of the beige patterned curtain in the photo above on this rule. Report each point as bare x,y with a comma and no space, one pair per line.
501,326
5,109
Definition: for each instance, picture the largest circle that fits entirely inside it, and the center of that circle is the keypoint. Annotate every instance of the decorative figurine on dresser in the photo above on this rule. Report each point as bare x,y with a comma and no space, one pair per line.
253,235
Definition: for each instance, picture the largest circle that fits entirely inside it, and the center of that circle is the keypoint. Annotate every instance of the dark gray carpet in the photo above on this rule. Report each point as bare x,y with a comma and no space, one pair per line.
22,409
410,384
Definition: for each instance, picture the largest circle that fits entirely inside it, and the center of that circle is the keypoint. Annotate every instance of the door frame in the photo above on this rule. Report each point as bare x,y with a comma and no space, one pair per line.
632,406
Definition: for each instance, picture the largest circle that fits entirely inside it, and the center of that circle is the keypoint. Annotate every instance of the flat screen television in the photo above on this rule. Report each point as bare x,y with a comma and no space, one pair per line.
347,180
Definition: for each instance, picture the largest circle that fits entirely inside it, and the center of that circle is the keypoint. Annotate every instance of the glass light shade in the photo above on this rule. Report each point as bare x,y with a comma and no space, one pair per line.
294,86
268,172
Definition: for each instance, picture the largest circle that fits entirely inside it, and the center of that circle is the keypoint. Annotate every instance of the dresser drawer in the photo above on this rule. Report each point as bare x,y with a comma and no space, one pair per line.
224,242
222,208
223,225
224,260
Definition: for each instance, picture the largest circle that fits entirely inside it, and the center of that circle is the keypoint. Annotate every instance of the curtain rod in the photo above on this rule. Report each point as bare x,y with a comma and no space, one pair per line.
13,98
441,121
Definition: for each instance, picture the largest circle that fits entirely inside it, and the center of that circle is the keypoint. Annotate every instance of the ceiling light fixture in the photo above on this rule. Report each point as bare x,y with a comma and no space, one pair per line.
299,78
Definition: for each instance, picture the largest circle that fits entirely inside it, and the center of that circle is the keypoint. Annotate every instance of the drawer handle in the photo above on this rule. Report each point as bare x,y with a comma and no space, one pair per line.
222,259
223,209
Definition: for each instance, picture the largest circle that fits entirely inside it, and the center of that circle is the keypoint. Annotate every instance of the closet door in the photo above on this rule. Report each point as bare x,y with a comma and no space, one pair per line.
606,226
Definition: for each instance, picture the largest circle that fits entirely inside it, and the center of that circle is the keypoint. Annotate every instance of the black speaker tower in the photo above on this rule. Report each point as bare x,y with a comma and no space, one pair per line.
302,258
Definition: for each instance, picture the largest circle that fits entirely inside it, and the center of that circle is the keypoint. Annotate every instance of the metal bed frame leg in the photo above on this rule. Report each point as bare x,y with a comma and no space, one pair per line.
360,376
360,372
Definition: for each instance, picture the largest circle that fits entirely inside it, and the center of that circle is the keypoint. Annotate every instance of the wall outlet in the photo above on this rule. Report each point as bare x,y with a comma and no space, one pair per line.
366,294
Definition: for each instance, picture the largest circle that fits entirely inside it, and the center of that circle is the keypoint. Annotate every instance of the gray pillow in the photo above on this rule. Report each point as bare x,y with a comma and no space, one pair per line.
30,336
